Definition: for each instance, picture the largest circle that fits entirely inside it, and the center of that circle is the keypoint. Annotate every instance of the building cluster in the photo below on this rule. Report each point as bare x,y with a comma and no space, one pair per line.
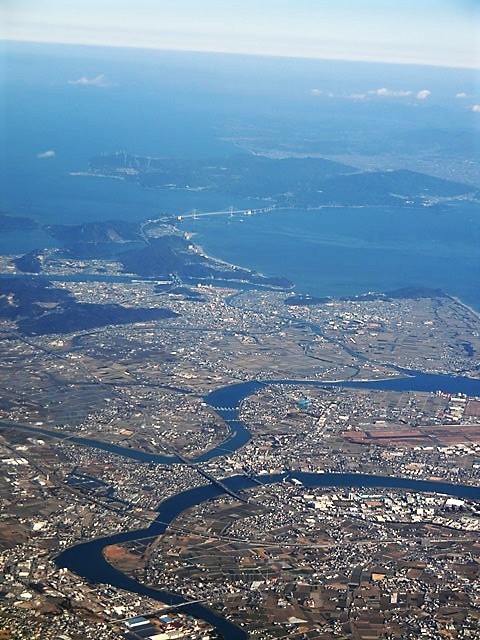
171,626
291,562
355,563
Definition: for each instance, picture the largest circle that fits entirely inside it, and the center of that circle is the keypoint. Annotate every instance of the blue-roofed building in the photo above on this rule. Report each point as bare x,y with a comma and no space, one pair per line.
303,404
135,623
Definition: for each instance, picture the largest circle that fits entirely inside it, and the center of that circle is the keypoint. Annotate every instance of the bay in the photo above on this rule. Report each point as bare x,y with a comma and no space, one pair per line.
349,251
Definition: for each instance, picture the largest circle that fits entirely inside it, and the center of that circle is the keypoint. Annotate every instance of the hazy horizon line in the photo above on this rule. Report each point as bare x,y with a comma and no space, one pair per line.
256,54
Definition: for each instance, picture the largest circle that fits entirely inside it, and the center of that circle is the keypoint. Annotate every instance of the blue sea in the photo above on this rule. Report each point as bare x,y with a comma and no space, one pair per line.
335,252
204,106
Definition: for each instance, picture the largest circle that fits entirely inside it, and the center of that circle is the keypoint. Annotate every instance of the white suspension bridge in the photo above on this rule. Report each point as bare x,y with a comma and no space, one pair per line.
231,212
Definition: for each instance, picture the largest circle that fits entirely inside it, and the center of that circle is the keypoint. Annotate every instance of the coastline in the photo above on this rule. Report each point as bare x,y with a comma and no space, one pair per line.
464,305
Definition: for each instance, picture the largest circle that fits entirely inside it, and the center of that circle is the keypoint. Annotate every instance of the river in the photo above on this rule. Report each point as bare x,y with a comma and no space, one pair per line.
226,402
87,560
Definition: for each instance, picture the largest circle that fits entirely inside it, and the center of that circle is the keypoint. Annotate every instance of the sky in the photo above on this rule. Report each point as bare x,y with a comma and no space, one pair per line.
434,32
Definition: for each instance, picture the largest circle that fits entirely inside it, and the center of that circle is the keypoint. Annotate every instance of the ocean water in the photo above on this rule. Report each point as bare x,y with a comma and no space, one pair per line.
334,252
202,107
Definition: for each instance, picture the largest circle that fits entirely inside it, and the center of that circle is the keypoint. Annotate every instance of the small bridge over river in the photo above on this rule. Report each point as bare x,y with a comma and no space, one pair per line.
210,478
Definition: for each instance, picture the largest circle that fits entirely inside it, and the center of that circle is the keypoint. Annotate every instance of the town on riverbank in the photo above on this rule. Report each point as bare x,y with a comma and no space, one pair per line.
103,422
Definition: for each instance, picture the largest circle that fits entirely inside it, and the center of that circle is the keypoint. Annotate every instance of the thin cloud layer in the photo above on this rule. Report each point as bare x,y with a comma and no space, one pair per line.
382,92
46,154
319,92
461,96
98,81
390,93
341,96
476,108
423,94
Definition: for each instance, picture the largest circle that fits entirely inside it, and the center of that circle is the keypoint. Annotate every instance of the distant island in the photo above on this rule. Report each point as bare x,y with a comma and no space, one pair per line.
286,182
